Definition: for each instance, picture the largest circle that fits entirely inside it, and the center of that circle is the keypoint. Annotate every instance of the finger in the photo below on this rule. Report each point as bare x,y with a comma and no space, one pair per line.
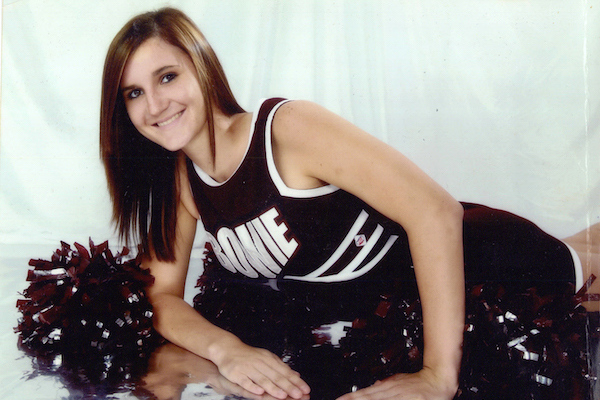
280,383
244,375
290,381
300,383
248,384
230,388
286,378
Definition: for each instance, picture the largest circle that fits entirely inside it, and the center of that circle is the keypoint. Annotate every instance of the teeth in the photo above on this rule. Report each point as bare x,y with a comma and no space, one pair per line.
173,118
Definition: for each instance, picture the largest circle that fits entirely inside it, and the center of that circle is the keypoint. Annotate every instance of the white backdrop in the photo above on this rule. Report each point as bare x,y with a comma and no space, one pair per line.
498,100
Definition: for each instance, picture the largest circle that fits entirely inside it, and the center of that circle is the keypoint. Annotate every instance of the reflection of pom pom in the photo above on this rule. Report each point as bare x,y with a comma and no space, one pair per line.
86,316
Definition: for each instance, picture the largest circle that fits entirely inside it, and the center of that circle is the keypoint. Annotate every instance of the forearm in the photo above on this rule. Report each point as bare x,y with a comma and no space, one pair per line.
256,370
436,249
438,258
180,324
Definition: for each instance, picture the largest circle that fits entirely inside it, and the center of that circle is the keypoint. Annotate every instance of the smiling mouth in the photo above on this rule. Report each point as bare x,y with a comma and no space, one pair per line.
167,122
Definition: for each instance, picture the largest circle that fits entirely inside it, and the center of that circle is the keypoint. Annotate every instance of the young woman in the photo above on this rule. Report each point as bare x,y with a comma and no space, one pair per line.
303,210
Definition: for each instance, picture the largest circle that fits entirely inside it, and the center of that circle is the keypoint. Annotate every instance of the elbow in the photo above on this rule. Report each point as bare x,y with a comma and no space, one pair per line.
446,215
456,211
445,208
454,216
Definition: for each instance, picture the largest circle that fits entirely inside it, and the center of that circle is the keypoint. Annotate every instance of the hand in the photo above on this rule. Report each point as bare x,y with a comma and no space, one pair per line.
423,385
172,368
259,371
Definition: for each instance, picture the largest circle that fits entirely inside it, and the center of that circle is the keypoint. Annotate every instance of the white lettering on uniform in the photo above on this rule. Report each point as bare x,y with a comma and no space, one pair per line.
269,242
255,251
233,250
278,232
221,257
250,248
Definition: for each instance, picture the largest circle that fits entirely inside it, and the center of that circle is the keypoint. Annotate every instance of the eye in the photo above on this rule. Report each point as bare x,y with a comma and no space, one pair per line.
168,77
134,94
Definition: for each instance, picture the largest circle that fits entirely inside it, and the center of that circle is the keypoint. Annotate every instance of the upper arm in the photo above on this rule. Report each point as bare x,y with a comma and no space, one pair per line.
169,277
316,143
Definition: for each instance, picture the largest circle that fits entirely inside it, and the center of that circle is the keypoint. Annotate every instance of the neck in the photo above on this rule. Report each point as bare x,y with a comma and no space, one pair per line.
231,135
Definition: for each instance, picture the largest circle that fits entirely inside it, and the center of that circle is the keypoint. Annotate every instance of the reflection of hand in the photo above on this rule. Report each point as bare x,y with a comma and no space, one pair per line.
260,372
172,368
423,385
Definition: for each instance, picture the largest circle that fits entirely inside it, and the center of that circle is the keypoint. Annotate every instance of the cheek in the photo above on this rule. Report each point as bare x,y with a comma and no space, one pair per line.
198,100
192,93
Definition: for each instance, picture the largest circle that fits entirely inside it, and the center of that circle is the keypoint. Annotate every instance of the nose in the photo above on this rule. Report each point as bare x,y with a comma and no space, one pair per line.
156,103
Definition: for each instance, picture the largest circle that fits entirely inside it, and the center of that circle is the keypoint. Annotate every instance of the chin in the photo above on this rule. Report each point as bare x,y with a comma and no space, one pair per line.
172,144
172,148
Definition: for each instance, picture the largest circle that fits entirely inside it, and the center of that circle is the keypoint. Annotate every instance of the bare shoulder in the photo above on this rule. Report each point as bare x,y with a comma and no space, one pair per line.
298,109
311,133
305,117
316,143
301,133
324,143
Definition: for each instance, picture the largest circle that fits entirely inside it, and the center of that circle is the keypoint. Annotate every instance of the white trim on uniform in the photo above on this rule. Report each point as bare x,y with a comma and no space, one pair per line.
353,269
206,178
283,189
577,267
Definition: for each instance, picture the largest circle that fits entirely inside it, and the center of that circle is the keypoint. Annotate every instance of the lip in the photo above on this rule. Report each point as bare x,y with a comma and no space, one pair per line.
169,120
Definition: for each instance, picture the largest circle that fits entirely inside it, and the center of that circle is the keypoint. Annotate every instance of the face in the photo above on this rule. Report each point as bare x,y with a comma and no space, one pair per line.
162,95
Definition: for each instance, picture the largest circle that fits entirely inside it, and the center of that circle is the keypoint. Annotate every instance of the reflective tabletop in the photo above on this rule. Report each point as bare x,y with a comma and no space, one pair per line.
172,373
168,372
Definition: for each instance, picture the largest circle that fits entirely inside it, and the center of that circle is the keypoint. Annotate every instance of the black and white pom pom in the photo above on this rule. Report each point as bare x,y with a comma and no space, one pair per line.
86,316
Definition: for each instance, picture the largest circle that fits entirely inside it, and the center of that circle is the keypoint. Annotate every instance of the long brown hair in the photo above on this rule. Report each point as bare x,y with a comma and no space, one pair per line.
141,175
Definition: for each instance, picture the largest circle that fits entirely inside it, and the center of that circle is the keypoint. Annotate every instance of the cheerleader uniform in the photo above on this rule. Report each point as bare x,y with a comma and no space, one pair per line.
318,274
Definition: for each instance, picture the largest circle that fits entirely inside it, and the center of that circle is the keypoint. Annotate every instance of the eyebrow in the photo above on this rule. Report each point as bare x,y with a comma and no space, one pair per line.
155,73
